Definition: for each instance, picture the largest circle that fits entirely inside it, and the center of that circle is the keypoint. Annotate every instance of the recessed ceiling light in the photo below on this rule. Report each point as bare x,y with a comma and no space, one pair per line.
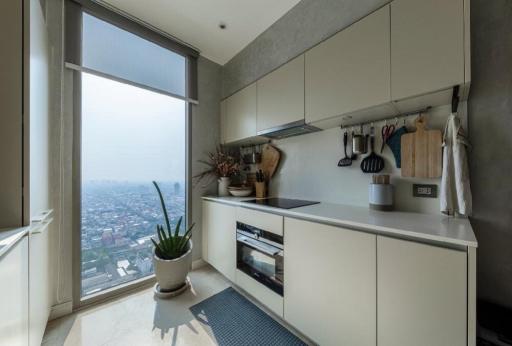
222,25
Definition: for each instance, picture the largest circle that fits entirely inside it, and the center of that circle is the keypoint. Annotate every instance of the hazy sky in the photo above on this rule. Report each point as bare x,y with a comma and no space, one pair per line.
130,134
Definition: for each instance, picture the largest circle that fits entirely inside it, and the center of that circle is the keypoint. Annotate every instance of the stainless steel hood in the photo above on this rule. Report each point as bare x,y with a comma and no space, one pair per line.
295,128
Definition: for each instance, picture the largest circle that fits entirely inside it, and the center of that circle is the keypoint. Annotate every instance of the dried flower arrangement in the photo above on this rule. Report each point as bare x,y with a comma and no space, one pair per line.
221,163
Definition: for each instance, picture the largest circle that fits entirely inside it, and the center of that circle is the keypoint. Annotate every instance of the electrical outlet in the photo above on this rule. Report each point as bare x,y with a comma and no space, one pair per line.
424,190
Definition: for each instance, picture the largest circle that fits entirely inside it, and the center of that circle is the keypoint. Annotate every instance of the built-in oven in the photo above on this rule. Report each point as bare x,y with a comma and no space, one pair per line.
260,255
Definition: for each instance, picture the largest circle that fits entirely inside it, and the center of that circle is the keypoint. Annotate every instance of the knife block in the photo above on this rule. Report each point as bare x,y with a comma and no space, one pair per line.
261,189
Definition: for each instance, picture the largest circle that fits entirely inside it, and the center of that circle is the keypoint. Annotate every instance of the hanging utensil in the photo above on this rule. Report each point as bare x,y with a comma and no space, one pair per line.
373,163
359,143
353,155
346,161
394,143
270,158
386,132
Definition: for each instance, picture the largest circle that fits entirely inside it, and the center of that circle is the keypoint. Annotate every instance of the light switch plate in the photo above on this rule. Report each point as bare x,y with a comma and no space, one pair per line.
424,190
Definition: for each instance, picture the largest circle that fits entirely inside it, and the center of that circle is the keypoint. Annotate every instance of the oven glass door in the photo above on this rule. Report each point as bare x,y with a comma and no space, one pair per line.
262,262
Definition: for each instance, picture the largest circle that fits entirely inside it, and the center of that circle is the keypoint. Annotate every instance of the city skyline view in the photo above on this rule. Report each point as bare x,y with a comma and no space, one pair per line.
130,137
118,220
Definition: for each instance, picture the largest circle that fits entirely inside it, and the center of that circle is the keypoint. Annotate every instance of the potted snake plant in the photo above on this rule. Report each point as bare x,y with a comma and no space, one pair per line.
172,257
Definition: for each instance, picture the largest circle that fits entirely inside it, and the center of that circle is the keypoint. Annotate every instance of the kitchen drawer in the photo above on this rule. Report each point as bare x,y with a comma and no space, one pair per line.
270,299
265,221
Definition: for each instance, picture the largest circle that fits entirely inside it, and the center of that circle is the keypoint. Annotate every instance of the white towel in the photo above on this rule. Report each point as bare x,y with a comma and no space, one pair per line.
455,189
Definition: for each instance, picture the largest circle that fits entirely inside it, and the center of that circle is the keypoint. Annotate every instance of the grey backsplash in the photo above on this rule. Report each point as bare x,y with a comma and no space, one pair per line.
308,169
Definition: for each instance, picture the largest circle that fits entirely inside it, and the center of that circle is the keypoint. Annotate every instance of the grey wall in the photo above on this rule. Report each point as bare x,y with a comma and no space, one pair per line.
490,124
205,133
305,25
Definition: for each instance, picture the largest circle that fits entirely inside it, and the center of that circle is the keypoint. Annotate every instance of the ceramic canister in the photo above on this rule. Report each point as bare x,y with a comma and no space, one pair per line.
381,197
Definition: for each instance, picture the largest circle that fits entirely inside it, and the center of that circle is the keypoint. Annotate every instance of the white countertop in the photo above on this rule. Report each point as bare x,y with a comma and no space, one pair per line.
436,228
10,237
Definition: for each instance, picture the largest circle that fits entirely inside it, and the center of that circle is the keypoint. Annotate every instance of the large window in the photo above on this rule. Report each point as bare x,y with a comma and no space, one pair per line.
130,136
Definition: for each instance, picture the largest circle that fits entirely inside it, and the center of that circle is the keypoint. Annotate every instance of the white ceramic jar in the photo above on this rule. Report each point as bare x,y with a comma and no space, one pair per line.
381,197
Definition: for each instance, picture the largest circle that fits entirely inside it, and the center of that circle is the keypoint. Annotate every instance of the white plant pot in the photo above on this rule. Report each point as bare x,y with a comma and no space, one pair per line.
171,274
224,183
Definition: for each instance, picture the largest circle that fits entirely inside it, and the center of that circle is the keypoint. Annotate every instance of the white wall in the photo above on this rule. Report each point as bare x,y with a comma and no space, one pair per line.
61,147
309,170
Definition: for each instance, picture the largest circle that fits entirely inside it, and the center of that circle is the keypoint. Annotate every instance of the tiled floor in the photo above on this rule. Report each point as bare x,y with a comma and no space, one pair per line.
140,319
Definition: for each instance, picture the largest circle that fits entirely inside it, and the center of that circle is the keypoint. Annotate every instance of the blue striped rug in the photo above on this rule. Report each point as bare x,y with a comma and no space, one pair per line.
232,320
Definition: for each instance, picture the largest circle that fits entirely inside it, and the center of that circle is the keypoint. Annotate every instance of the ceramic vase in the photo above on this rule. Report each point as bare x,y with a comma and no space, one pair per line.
224,183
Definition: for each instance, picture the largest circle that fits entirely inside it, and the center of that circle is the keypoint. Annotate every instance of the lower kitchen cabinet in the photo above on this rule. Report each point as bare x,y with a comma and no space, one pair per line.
219,236
421,294
14,325
39,280
330,283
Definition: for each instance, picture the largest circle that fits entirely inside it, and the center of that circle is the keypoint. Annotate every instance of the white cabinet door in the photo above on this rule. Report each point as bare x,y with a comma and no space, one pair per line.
281,96
427,46
240,115
351,70
330,283
14,295
39,279
421,294
219,232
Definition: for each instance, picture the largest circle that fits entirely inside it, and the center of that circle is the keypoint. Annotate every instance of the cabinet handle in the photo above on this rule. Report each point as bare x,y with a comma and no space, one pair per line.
271,251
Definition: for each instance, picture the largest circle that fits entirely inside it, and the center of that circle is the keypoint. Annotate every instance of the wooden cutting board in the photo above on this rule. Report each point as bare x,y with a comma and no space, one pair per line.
270,157
421,152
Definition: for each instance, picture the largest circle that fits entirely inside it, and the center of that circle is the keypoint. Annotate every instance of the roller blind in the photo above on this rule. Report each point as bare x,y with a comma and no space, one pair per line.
103,42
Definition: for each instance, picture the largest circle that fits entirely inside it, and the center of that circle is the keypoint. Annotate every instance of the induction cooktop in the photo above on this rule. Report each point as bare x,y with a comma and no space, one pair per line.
282,203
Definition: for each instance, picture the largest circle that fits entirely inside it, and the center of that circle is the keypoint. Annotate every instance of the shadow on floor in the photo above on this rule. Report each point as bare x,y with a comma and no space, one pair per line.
58,330
171,314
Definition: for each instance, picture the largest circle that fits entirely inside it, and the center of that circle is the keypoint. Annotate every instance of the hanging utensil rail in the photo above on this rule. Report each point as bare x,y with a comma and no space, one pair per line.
396,117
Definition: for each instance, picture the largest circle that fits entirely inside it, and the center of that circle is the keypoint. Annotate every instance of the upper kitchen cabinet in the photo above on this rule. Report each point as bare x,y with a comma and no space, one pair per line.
428,49
281,96
351,70
239,117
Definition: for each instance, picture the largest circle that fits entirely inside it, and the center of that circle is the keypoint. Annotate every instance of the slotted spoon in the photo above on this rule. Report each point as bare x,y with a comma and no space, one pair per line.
372,163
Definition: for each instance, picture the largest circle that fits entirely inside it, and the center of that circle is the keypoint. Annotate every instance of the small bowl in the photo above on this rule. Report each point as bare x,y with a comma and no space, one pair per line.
240,191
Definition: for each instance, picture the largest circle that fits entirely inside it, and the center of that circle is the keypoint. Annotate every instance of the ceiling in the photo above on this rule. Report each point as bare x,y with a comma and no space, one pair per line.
197,21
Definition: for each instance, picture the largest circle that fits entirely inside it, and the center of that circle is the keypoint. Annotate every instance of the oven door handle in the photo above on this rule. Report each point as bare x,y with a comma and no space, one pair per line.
260,248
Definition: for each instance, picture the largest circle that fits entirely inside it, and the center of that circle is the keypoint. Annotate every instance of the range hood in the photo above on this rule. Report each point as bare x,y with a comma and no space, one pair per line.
295,128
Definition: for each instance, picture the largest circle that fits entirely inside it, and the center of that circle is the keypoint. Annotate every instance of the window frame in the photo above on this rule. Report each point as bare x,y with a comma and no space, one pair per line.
75,82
